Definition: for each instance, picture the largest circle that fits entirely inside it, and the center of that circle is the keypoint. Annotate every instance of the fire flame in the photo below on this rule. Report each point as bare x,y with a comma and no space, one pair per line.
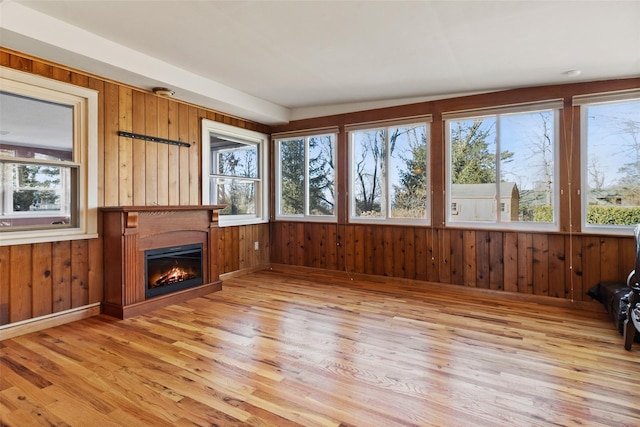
174,275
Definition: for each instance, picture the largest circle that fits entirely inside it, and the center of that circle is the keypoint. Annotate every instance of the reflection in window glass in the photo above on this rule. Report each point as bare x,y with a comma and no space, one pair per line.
613,163
234,177
234,158
35,128
36,163
239,195
36,188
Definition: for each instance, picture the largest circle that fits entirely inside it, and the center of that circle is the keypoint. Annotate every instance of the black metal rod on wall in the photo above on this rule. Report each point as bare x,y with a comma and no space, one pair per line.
153,139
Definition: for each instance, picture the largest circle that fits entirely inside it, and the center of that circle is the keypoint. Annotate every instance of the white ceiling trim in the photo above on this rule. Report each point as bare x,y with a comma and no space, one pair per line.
61,42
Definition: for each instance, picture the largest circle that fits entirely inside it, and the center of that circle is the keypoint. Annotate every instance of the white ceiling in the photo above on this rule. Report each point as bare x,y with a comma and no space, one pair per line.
276,61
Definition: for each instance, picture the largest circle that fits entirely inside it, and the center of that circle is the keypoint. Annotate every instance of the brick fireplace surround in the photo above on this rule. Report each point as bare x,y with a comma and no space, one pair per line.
128,231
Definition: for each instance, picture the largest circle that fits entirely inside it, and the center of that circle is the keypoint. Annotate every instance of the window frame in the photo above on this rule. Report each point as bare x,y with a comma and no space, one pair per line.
84,103
262,194
584,101
553,105
387,124
66,178
305,136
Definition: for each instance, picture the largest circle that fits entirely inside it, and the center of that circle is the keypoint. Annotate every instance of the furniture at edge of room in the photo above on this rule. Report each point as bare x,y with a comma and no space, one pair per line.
632,322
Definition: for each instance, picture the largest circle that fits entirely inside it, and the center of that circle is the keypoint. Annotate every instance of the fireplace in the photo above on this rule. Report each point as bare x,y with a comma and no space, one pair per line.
172,269
143,245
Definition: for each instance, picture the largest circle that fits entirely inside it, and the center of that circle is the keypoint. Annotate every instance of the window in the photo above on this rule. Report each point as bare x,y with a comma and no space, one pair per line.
305,170
389,177
610,161
502,167
48,159
234,161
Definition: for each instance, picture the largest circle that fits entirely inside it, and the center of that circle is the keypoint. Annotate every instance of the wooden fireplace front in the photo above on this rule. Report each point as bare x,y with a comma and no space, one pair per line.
130,231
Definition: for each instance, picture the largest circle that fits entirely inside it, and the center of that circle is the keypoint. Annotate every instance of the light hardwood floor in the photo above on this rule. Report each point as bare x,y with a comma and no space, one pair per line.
311,349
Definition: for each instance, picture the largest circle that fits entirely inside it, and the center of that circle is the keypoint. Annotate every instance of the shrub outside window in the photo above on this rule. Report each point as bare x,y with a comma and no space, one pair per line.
389,177
234,164
48,173
611,161
306,177
502,167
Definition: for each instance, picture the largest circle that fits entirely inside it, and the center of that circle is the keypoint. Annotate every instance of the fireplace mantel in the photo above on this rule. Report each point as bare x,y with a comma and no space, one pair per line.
128,231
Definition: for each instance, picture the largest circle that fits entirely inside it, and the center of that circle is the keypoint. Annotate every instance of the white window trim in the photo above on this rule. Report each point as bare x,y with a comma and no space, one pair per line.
386,124
583,101
305,135
262,199
551,104
85,103
451,221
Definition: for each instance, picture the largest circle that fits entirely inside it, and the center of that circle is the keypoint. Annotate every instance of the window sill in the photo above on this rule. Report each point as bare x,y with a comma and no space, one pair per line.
40,236
237,222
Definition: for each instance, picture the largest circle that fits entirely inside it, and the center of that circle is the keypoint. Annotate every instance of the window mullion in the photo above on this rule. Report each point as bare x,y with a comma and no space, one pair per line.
278,176
385,176
305,185
498,173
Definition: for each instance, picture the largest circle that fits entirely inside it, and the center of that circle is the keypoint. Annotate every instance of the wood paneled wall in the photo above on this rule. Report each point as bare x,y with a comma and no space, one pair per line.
556,265
47,278
237,248
563,264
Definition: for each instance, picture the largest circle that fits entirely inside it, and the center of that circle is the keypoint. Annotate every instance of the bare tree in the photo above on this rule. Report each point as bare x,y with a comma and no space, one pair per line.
596,175
541,155
370,169
630,182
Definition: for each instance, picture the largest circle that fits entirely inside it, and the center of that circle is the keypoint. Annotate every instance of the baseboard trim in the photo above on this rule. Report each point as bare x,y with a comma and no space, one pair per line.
593,306
244,271
23,327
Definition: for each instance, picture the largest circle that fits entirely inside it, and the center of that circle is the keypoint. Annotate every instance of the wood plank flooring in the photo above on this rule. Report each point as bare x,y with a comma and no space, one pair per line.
311,349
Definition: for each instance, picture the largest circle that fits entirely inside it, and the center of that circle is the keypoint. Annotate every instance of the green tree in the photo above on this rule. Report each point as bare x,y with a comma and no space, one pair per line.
292,176
410,196
472,162
321,175
33,182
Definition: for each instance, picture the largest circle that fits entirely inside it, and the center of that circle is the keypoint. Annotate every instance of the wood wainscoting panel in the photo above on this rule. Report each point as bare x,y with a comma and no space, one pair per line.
560,265
236,250
42,281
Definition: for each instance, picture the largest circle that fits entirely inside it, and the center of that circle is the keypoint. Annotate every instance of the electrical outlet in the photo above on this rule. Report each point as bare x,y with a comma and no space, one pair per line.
256,245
